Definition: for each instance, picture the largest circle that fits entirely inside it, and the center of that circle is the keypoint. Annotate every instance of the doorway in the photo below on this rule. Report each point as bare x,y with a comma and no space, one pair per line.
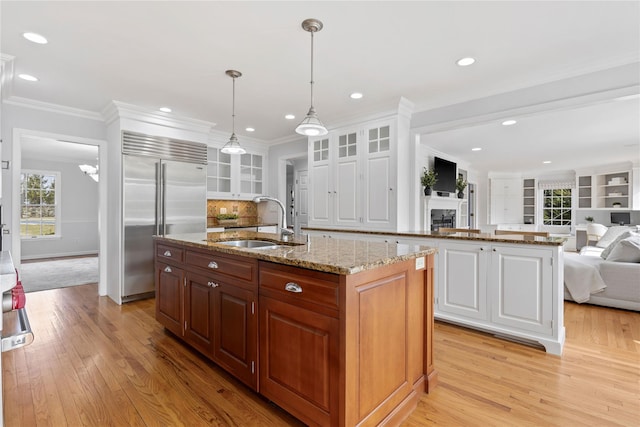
72,227
292,189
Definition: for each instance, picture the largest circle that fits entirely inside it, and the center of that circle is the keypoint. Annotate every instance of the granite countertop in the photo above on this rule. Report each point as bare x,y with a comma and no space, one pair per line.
339,256
485,237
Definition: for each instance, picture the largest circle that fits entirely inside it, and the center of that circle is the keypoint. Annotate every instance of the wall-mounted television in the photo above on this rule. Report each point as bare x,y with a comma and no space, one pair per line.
620,218
447,174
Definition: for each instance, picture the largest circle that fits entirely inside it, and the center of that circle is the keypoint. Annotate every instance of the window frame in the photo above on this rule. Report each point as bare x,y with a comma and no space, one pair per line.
57,206
551,222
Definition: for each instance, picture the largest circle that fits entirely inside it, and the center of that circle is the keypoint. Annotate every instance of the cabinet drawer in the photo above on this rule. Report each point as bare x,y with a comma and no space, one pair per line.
226,265
301,285
167,253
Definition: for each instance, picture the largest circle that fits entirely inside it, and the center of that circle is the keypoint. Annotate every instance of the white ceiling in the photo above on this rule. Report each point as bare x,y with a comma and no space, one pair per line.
175,54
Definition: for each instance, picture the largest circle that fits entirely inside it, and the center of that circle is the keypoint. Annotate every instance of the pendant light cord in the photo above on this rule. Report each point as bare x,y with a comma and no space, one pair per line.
312,68
233,107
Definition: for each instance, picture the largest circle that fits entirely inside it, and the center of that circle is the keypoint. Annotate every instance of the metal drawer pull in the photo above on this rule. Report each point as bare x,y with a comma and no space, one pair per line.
168,269
212,284
167,253
213,264
293,287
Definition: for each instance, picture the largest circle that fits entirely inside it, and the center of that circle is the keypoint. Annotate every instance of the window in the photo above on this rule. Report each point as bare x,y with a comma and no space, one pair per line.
39,204
557,206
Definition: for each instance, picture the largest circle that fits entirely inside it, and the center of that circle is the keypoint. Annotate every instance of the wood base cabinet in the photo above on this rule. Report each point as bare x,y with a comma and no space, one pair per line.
346,350
331,349
209,300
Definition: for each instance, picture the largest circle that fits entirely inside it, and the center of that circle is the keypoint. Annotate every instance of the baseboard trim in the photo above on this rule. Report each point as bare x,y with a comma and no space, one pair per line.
59,255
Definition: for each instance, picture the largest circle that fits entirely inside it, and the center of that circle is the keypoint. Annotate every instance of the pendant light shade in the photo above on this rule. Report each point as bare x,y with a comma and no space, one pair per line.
233,146
311,125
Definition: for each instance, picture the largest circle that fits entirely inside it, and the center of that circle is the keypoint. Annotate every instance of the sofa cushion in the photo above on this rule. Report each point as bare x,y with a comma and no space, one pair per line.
626,250
611,234
605,253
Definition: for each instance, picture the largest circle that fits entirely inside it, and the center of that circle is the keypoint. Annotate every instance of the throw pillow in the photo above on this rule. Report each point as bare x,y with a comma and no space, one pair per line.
626,250
610,235
605,253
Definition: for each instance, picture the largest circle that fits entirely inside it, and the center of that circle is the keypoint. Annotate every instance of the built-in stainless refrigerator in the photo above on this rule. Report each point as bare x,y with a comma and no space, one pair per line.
164,193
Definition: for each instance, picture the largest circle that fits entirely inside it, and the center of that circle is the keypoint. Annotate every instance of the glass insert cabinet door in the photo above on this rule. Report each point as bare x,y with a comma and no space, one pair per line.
218,171
251,173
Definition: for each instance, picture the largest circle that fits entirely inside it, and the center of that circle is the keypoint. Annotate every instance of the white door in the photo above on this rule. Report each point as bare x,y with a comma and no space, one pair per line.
462,279
301,214
521,286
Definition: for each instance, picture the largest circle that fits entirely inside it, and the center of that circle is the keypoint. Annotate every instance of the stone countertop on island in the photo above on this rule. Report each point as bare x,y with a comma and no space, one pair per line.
339,256
486,237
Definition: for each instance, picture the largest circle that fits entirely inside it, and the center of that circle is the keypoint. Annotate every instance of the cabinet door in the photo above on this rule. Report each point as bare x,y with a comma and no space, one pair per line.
462,279
345,193
169,285
250,179
299,361
218,173
379,187
198,311
235,326
521,283
321,185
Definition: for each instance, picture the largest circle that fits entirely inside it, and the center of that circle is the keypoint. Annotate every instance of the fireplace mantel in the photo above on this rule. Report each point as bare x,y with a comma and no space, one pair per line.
438,202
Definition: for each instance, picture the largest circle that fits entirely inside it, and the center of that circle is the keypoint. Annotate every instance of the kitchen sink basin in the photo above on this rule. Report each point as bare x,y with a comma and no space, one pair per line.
250,244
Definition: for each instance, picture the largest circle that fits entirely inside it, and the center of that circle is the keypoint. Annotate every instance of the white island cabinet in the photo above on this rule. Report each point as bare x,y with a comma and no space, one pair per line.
511,290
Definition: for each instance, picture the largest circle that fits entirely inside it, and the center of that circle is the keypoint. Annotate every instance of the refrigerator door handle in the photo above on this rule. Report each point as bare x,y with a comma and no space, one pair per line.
164,192
158,201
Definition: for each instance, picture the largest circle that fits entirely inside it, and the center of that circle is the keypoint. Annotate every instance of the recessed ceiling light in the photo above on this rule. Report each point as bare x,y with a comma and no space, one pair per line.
165,109
356,95
476,149
250,129
463,62
289,117
509,122
546,162
28,77
35,38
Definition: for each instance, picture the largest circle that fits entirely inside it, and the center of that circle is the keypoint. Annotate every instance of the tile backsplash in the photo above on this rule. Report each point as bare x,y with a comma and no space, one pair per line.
247,210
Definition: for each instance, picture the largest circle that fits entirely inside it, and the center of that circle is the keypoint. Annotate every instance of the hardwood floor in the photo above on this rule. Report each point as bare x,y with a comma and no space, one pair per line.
95,363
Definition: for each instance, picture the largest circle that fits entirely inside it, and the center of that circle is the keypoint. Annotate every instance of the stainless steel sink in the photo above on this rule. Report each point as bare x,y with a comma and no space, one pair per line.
250,244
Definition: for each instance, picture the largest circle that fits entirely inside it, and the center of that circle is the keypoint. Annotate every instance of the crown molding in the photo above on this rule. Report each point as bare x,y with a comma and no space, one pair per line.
6,75
119,110
52,108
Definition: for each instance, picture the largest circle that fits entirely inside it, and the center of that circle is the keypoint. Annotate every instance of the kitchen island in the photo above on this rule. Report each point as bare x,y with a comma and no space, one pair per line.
338,332
508,285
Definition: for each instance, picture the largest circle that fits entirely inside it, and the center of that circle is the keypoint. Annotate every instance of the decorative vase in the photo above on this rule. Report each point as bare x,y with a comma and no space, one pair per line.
461,194
427,191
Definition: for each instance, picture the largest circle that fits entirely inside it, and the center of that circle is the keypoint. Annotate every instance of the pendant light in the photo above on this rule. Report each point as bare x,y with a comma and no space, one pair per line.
233,146
311,125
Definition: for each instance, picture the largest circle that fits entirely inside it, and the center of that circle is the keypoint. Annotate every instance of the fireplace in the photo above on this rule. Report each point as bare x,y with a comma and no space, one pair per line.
440,212
442,218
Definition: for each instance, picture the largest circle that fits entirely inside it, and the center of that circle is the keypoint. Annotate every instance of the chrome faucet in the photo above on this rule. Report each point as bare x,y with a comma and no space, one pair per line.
284,231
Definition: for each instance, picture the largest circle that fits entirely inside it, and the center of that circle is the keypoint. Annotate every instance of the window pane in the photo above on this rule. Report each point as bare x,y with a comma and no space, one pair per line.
225,157
384,144
342,152
384,132
373,134
257,161
245,159
342,140
373,147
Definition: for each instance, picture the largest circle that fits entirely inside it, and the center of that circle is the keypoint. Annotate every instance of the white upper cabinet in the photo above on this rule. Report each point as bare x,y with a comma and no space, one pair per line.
506,201
232,176
352,177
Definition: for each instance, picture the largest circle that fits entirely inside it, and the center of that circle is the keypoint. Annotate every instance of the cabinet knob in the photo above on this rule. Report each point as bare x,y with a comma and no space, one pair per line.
494,250
213,284
293,287
167,253
213,264
481,248
168,269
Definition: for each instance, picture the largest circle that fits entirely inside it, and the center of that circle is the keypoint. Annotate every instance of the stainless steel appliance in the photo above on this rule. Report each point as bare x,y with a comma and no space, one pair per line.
14,322
164,193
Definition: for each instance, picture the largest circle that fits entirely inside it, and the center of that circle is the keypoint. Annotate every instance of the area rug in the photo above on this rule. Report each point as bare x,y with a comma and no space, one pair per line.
60,273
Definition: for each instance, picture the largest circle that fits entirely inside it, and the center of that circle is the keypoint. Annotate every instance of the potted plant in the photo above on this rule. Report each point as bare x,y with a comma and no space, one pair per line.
428,180
461,184
227,219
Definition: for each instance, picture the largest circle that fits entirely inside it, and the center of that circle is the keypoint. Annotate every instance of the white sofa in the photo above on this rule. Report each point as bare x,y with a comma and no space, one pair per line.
611,282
